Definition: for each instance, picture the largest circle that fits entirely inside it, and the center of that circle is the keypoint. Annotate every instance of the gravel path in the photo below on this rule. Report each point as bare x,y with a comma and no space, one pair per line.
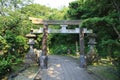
64,68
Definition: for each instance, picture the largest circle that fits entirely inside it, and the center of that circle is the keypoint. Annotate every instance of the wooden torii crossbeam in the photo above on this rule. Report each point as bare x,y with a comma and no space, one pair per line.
43,58
54,22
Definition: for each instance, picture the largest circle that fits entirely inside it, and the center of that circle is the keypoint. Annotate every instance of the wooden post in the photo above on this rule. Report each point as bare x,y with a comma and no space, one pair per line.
44,40
44,57
82,57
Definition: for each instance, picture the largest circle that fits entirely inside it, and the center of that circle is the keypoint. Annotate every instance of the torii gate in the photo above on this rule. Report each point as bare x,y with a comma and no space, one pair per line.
45,30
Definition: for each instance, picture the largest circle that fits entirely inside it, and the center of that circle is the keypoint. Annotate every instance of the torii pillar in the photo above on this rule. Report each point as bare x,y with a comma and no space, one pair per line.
82,54
44,57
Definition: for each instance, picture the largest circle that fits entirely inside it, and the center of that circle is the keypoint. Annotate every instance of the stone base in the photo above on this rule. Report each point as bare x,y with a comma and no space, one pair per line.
30,59
82,61
43,61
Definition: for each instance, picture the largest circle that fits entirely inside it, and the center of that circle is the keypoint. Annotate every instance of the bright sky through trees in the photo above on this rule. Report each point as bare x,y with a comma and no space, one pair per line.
54,3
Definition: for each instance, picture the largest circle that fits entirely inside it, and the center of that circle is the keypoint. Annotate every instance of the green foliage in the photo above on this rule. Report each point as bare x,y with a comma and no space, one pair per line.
76,10
102,26
36,10
62,49
20,44
82,9
13,45
20,40
43,12
3,46
55,14
103,17
6,64
59,50
5,67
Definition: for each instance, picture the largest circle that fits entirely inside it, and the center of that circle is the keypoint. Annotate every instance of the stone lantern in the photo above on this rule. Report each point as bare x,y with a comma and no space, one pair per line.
31,57
31,38
92,41
91,55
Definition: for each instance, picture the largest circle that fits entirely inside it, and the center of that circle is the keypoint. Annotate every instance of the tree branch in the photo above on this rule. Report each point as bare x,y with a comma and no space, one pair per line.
117,7
116,32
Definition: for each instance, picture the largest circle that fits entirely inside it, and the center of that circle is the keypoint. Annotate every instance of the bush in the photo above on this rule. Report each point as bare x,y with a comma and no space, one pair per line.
21,44
7,63
62,49
5,67
3,46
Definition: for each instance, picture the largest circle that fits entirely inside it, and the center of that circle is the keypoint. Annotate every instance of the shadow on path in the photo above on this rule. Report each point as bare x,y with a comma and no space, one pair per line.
64,68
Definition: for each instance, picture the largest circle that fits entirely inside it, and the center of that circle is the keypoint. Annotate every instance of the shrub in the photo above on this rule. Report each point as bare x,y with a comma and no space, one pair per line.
5,67
62,49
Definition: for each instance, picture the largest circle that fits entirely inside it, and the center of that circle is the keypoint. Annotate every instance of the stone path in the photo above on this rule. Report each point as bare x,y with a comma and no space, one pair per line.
28,74
59,68
64,68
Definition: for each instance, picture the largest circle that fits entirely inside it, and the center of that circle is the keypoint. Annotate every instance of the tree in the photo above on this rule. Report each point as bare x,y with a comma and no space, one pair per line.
102,17
12,5
12,34
36,10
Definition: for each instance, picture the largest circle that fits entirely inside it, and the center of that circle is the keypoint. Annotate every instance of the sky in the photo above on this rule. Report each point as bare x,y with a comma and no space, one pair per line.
54,3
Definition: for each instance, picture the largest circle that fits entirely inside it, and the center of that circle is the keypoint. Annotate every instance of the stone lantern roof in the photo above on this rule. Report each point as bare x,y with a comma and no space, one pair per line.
91,35
30,35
